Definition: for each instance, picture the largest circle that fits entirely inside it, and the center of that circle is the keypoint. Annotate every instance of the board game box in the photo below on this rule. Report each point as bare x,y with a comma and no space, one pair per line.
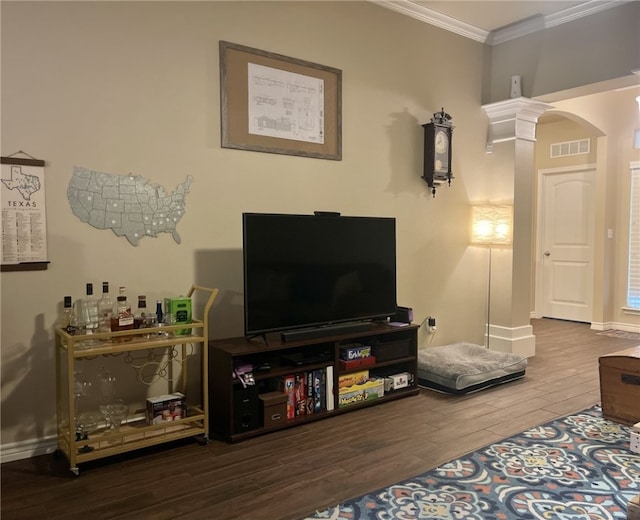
165,408
372,389
352,378
354,351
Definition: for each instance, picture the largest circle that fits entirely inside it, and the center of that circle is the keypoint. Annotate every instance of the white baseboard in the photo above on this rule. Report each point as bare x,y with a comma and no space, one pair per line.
612,325
27,449
602,326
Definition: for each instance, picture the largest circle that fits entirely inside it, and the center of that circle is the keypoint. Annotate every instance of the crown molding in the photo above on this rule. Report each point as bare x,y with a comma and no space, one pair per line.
539,23
513,119
424,14
511,32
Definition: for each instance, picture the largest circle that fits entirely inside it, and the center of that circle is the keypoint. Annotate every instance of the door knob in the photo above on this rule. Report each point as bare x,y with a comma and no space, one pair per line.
547,253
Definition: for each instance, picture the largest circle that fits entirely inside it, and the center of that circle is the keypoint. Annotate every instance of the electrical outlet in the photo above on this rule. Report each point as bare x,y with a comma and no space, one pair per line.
431,324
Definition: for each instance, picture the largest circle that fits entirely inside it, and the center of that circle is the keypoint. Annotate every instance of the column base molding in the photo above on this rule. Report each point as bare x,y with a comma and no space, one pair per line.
517,340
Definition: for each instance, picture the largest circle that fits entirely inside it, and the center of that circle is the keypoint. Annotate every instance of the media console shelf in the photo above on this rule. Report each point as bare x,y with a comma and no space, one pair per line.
237,412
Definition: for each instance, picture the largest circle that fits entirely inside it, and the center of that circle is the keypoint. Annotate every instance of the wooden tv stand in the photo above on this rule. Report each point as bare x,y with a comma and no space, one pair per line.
235,410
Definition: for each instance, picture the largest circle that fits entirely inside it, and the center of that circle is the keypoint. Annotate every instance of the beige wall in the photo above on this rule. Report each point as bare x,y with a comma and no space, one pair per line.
134,87
562,130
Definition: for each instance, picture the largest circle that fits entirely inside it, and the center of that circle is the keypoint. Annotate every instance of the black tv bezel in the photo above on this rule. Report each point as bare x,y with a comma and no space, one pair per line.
322,324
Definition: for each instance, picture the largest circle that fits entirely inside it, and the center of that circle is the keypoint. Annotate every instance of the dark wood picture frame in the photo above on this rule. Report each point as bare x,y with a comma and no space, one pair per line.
234,103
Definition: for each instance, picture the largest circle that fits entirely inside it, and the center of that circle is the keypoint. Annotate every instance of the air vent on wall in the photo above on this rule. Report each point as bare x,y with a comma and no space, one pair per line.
570,148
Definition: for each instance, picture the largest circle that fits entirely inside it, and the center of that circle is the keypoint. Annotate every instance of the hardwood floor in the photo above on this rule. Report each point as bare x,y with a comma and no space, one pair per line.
290,473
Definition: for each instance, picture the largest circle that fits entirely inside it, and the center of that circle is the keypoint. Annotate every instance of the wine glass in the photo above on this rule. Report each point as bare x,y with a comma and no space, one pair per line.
87,423
107,395
81,388
118,411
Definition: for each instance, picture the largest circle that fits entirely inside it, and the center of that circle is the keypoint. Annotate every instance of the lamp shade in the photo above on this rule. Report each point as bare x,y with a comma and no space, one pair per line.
491,224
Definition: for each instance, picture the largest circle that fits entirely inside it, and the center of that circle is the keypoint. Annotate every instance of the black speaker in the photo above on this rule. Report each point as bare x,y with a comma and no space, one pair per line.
246,408
403,315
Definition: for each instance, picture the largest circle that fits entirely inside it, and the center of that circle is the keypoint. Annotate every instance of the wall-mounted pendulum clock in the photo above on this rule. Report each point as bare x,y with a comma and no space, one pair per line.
437,150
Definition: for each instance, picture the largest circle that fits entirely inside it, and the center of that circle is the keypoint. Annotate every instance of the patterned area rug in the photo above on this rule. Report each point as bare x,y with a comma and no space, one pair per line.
574,468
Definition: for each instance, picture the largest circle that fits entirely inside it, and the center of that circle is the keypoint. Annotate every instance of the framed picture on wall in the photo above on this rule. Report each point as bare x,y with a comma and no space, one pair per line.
277,104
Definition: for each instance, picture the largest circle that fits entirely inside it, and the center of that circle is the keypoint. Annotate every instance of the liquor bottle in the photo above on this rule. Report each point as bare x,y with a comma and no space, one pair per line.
140,316
122,319
105,308
86,312
122,291
159,313
67,320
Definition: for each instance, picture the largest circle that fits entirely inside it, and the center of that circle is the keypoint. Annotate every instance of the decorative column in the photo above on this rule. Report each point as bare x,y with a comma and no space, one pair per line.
515,120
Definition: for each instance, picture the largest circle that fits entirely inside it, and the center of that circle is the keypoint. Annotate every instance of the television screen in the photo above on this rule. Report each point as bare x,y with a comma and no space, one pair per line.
308,270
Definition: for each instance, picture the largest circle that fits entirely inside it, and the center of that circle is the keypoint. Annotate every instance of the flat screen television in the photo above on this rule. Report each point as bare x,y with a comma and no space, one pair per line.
305,271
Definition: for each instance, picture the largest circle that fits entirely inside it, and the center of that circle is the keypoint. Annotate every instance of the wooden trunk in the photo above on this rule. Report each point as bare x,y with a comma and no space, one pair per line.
620,386
633,509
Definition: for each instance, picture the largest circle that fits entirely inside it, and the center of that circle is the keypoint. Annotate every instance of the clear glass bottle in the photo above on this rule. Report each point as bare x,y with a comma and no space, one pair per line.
86,312
67,320
105,308
122,319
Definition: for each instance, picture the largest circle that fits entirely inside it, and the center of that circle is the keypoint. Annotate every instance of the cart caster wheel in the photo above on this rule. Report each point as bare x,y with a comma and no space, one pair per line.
203,441
75,470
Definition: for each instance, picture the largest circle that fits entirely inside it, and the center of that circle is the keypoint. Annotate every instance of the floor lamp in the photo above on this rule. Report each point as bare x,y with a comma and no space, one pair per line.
491,225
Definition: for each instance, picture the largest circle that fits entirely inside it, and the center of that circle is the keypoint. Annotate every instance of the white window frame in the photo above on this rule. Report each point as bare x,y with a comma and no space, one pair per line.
633,273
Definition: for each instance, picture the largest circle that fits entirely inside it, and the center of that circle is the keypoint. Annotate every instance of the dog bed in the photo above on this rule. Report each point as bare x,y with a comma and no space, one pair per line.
461,368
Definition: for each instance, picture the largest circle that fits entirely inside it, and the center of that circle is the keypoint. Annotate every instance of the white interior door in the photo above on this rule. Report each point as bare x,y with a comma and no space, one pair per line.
565,246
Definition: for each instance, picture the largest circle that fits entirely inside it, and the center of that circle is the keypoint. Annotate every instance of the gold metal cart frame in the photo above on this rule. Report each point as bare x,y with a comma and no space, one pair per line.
135,434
